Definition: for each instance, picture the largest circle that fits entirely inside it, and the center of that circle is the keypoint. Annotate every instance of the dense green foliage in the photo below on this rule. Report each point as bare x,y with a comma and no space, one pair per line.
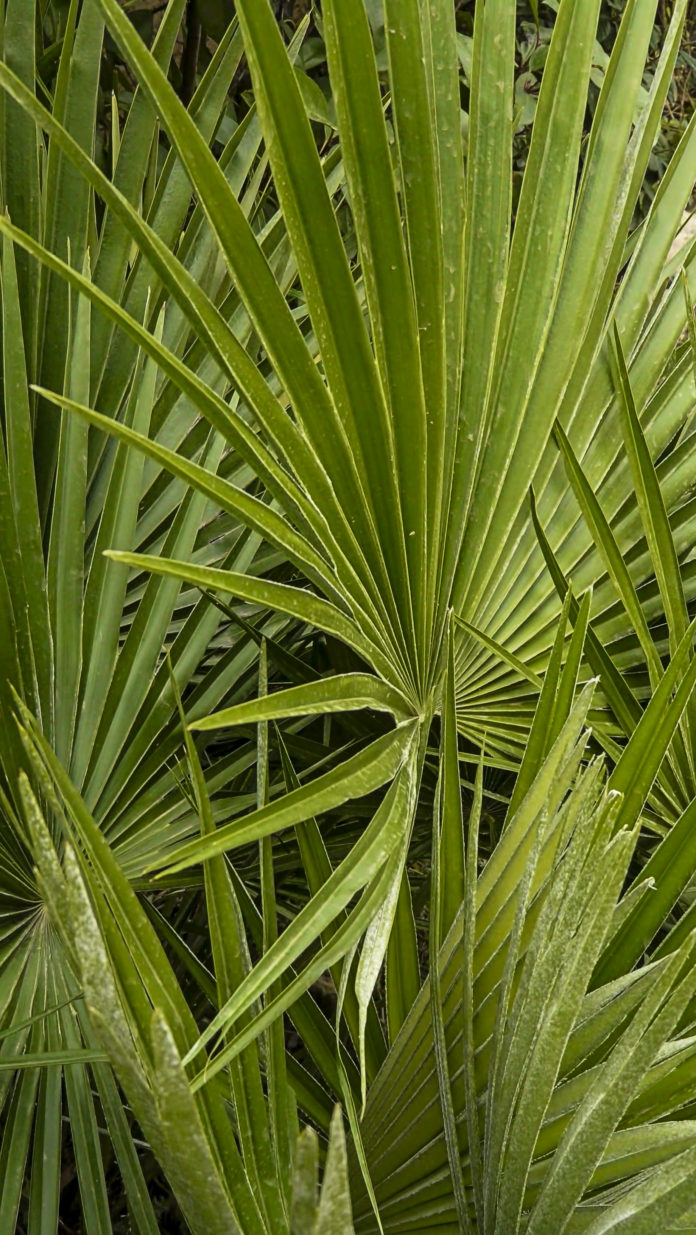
347,712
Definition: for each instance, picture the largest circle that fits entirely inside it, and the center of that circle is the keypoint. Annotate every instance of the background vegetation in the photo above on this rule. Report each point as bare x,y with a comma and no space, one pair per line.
206,20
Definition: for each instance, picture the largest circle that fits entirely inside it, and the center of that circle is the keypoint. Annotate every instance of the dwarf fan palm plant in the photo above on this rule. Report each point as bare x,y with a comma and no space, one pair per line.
388,443
381,438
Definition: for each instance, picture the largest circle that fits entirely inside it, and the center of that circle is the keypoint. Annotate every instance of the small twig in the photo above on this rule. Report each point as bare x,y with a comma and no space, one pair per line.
189,58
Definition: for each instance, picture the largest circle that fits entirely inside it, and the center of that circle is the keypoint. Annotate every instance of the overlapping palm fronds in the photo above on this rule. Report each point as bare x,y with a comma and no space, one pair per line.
317,451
